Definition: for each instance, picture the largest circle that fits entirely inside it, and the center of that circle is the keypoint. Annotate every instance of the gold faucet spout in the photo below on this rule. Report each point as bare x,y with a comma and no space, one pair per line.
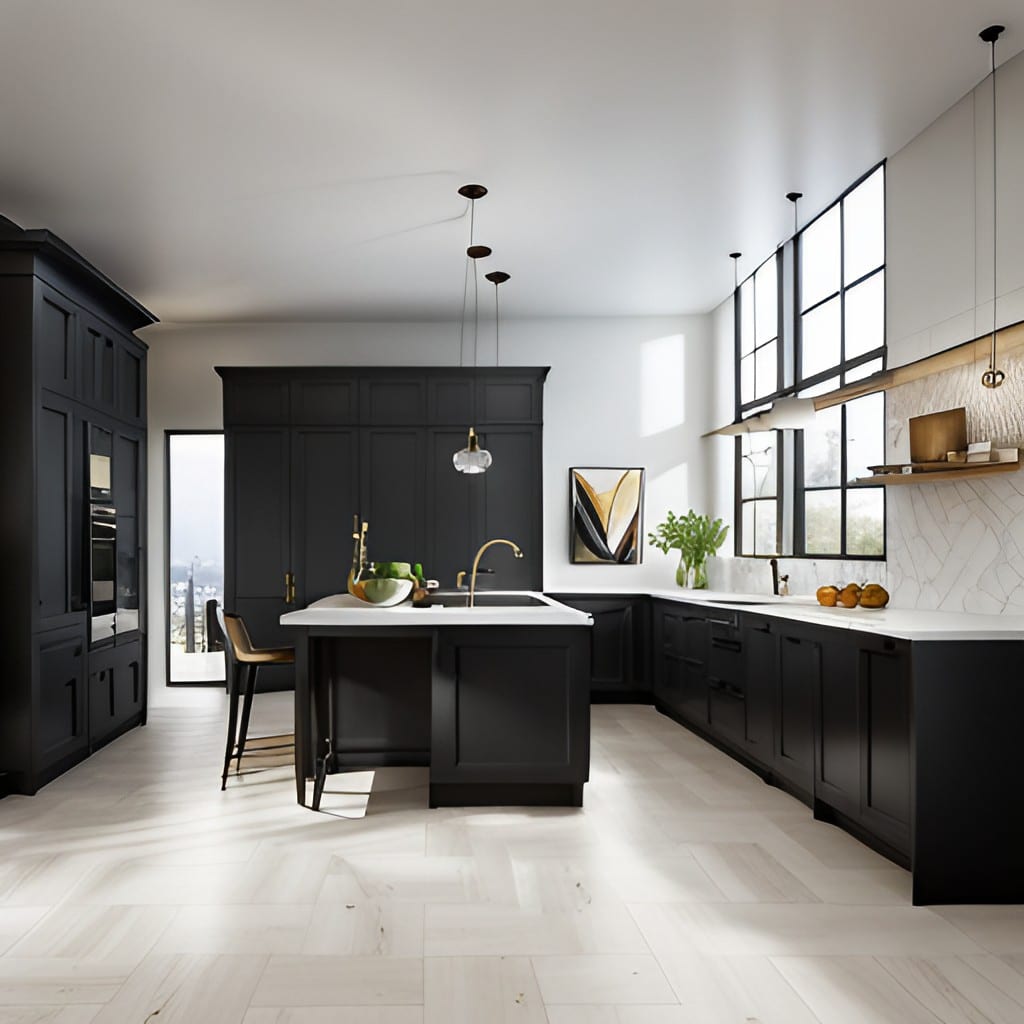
516,550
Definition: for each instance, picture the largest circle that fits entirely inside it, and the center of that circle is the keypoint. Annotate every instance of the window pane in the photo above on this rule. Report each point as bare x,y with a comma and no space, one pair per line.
821,388
766,300
822,459
864,227
819,346
865,521
865,317
864,370
746,379
196,556
865,435
758,464
747,317
747,547
766,372
819,259
765,536
822,523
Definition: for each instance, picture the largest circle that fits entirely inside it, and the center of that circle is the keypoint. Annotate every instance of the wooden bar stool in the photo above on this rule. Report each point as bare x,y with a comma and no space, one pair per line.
242,656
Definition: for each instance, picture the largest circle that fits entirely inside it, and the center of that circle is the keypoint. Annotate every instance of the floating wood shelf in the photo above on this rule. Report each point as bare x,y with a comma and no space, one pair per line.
935,476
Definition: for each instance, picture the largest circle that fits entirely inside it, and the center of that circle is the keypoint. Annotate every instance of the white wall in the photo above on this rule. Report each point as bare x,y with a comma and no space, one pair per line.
629,392
939,223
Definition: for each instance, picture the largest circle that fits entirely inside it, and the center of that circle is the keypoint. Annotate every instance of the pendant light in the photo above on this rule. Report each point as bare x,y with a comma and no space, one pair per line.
472,459
993,376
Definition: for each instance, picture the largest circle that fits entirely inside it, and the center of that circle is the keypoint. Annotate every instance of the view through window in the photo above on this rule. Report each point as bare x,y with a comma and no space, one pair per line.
195,570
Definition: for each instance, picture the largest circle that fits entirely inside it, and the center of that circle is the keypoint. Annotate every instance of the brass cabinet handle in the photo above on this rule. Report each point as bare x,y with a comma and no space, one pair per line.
289,588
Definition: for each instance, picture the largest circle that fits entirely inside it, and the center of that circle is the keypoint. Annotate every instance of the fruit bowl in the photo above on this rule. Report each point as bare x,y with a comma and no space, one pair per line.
387,592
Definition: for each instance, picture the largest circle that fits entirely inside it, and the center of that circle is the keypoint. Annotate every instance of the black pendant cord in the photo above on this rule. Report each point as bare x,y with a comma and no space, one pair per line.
497,328
476,311
462,322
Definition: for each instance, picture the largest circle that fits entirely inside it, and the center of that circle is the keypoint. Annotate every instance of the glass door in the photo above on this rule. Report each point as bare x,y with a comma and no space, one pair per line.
195,556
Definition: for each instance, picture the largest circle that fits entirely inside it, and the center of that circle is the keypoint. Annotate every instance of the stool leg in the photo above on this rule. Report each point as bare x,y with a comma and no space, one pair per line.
250,689
318,782
232,729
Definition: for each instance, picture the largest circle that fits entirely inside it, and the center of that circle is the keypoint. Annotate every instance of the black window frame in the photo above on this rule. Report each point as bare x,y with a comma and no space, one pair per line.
741,501
742,408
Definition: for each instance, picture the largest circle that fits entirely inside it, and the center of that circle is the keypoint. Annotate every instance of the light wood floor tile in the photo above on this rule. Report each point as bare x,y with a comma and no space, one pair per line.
721,990
186,990
747,873
793,929
340,981
96,934
852,990
468,990
15,922
602,980
55,981
997,929
48,1014
335,1015
953,990
247,929
365,927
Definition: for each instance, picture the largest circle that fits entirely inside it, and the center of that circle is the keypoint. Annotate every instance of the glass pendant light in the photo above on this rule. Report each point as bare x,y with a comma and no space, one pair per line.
472,459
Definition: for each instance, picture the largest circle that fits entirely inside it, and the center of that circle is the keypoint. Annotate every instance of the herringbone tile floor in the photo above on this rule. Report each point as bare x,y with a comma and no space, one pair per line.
132,890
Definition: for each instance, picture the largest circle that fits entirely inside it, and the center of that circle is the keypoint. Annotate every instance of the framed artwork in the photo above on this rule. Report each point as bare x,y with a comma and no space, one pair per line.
606,515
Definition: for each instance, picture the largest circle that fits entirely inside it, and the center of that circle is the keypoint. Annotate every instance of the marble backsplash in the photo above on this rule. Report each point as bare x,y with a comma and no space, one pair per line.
754,575
959,545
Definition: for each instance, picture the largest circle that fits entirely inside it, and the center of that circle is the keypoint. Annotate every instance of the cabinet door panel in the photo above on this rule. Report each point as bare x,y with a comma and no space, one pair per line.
258,507
509,400
97,369
838,780
761,668
54,519
130,383
451,402
324,499
125,492
332,403
255,402
392,470
452,510
394,401
798,680
887,742
55,344
512,506
61,695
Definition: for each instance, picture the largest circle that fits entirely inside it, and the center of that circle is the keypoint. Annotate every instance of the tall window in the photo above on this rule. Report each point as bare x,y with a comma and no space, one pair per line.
195,555
841,339
795,490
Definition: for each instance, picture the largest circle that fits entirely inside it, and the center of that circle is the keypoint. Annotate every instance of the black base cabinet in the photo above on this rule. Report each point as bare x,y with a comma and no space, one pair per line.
910,746
619,647
70,371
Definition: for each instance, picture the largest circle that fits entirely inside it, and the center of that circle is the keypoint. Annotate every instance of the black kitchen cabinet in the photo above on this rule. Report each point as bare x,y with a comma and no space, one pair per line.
799,679
838,763
307,448
619,647
69,368
115,691
761,683
727,715
681,635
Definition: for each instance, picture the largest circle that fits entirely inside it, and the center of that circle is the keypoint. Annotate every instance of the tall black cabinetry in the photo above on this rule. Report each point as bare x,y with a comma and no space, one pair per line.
306,448
69,365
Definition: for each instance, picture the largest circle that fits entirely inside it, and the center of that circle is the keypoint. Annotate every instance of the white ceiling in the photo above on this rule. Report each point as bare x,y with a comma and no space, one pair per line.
299,159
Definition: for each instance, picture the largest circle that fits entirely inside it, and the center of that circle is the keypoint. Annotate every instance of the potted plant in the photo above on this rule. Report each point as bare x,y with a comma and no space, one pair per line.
696,538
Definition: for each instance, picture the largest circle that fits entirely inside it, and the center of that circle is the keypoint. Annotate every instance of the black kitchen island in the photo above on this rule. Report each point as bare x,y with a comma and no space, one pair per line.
493,699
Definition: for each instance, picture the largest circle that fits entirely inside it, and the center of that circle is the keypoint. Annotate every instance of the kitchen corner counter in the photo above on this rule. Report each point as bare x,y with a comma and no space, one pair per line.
898,623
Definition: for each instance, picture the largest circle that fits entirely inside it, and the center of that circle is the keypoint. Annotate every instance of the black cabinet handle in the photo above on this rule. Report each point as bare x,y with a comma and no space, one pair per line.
726,645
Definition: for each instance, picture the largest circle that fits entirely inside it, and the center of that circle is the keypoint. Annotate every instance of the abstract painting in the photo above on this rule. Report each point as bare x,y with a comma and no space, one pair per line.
606,509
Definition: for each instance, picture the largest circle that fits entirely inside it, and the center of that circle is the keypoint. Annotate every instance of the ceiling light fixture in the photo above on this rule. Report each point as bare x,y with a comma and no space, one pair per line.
472,459
735,257
794,198
993,376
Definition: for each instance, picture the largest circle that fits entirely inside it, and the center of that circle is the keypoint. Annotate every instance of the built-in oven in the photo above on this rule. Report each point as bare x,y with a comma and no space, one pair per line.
103,574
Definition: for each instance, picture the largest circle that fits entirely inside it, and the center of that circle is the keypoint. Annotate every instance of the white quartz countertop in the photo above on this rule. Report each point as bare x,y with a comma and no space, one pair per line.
346,610
901,623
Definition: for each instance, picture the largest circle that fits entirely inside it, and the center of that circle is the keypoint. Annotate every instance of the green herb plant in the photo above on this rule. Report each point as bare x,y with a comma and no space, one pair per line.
696,538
